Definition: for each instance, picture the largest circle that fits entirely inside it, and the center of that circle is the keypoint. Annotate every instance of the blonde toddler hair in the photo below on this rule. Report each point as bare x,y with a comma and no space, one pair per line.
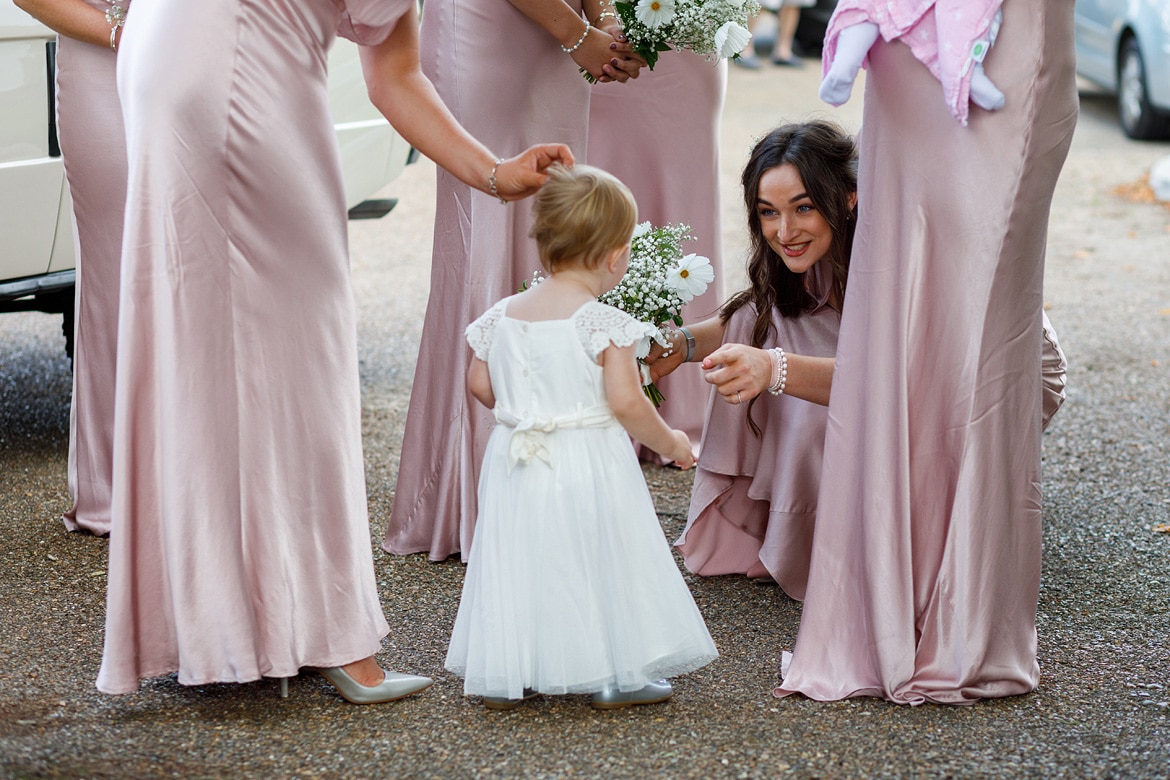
580,215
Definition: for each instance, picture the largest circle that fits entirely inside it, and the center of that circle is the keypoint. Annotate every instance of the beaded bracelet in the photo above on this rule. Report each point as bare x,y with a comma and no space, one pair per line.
115,17
493,183
779,371
581,40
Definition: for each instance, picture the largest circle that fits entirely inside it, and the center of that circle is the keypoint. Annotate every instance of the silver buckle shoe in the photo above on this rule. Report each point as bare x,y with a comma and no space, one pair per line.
613,699
503,703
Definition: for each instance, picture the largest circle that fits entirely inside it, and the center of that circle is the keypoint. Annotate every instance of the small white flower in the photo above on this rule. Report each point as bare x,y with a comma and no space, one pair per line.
654,13
691,277
730,39
640,230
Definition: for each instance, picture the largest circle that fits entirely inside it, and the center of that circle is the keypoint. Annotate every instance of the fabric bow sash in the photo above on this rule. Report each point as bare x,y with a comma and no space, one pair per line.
529,439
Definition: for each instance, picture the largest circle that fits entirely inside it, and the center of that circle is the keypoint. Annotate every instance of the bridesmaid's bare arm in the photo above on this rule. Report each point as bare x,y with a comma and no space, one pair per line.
708,335
603,55
740,373
71,18
405,96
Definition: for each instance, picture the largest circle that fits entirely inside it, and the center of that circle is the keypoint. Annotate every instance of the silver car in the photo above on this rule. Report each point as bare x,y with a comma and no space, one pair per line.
1124,46
36,230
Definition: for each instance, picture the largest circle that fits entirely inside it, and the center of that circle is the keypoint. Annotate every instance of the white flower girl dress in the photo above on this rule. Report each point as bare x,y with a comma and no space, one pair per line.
570,585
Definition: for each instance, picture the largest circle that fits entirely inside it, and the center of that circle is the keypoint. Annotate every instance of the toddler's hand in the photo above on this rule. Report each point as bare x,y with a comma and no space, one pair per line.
681,453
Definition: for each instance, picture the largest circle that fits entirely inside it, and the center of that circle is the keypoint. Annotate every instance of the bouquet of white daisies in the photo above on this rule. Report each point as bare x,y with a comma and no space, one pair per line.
660,280
707,27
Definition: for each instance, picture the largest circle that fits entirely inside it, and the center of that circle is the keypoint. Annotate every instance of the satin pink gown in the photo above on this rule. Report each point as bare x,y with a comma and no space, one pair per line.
508,82
240,545
754,504
754,501
925,568
659,134
93,148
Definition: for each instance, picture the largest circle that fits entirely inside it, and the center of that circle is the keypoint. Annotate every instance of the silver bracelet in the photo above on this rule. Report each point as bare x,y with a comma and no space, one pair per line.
581,40
493,184
115,17
608,15
690,337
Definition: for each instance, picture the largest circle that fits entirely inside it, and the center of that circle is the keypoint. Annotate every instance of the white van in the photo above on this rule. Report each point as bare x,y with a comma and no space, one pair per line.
36,230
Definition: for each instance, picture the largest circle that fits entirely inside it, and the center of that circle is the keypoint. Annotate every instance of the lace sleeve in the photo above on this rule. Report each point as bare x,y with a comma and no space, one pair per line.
479,333
599,325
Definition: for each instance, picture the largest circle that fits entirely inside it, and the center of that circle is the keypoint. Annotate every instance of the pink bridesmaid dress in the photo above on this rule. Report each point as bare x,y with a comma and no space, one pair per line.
754,502
93,148
659,134
508,82
925,569
240,544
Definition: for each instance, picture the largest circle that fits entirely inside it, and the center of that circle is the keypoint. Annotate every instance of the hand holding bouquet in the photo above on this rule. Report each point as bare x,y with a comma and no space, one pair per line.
707,27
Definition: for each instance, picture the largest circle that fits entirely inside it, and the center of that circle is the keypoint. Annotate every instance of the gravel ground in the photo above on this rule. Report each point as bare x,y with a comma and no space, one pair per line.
1102,710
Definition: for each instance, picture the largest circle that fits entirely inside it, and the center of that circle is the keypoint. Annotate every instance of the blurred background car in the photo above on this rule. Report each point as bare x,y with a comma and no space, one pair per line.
36,224
1124,47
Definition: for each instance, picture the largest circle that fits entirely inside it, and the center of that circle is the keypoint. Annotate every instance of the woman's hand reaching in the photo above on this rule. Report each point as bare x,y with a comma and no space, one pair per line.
739,372
520,176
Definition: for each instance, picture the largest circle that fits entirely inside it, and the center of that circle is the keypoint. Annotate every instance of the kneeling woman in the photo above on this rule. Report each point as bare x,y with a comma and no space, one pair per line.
755,495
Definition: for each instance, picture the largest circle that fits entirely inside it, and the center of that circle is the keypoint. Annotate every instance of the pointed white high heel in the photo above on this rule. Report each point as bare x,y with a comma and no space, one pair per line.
393,686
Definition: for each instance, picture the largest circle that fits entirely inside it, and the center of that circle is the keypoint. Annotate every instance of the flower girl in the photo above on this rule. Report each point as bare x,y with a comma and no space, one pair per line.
570,585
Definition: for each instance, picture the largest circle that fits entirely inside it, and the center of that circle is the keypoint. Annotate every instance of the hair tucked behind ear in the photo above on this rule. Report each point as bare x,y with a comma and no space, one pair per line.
825,156
581,214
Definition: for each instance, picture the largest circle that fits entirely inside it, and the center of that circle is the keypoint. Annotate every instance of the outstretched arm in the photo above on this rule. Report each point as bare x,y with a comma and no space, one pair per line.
740,373
708,335
631,407
405,96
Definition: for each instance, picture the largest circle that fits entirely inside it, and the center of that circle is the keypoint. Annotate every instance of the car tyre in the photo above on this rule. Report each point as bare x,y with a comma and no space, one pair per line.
1139,119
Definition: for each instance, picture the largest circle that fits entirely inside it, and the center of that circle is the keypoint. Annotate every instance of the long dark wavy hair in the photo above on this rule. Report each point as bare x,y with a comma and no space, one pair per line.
825,156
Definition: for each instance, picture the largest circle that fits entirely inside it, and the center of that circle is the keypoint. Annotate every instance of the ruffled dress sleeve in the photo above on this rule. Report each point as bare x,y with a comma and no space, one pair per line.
599,325
481,332
368,22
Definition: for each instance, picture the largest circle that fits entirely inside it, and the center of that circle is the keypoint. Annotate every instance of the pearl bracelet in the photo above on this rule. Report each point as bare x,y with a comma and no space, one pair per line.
779,371
493,183
581,40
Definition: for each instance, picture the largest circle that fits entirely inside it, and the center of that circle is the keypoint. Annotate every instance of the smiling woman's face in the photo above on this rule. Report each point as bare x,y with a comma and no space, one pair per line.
794,228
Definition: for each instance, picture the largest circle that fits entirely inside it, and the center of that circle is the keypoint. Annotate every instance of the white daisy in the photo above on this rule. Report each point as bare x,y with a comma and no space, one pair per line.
691,277
654,13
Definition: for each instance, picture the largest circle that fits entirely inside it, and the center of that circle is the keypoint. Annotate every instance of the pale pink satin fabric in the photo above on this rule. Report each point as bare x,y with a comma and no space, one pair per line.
508,82
941,33
93,148
240,543
925,570
754,501
659,134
